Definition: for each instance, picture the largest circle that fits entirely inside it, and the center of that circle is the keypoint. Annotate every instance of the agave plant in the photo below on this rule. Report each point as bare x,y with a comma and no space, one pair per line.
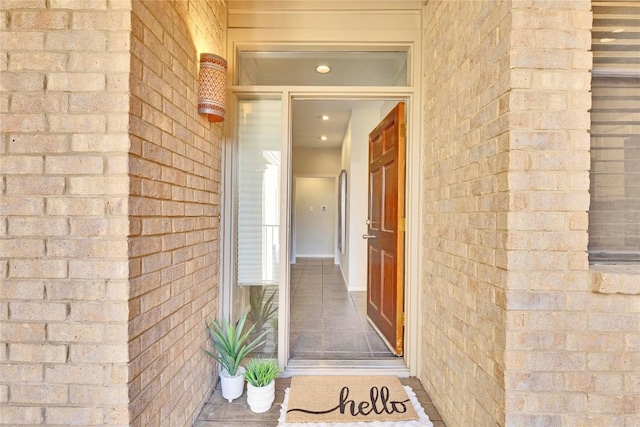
261,312
232,343
260,372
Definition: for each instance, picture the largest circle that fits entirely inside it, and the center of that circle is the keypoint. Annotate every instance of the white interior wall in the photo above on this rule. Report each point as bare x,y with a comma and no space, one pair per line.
386,108
363,121
346,155
315,205
314,162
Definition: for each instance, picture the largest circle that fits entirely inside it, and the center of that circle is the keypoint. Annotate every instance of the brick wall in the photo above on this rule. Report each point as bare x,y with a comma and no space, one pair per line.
465,93
548,180
174,210
519,329
572,354
101,140
63,212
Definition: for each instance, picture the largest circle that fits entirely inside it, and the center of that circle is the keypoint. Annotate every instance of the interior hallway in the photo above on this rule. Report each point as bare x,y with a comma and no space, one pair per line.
327,321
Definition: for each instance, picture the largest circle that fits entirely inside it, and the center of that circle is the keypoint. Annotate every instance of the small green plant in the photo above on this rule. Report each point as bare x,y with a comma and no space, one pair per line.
260,372
261,312
232,343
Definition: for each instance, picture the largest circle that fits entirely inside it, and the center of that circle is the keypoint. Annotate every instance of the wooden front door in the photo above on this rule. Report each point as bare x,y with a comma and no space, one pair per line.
386,228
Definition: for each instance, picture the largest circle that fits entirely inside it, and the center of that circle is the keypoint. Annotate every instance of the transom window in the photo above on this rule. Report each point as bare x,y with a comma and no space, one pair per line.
323,68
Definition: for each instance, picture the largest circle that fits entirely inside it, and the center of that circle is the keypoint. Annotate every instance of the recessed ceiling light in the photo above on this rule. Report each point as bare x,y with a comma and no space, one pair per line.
323,137
607,40
618,30
323,117
323,69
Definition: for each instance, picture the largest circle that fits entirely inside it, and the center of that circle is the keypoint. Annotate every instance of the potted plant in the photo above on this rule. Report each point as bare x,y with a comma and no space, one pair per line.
261,312
232,344
260,375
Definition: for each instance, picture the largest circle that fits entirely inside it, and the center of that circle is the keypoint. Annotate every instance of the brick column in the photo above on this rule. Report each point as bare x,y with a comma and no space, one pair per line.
109,217
571,354
548,181
64,224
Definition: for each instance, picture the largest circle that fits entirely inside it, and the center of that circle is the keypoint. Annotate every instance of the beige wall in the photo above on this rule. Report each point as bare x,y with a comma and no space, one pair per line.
174,211
519,329
315,228
101,141
64,223
319,162
316,161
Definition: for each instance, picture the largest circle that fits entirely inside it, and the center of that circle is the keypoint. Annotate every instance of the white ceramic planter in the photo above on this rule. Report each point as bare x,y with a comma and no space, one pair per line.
261,398
232,387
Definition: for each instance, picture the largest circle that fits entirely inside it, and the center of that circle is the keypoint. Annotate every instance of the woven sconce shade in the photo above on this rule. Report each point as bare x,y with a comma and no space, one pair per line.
212,93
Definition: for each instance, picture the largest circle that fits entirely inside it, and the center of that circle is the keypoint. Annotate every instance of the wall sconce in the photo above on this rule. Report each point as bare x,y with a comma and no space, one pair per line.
212,93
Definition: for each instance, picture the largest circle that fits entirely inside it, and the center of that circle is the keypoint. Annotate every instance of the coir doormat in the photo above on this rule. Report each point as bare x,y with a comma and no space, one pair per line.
348,399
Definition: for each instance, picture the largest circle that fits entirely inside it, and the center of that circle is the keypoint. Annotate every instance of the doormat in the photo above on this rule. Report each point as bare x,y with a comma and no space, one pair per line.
341,401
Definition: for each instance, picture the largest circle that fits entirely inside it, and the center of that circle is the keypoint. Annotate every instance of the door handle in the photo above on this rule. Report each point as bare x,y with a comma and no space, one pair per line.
369,236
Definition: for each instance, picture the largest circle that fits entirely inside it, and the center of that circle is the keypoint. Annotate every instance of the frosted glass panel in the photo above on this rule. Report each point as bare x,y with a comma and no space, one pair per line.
258,219
258,209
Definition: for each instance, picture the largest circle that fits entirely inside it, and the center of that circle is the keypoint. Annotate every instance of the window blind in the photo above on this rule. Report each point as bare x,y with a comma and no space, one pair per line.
258,200
614,214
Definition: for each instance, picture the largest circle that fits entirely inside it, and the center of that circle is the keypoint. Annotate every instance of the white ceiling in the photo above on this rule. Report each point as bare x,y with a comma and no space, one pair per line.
307,127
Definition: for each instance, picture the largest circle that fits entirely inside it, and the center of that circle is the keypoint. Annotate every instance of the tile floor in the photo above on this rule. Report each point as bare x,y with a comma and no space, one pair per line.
327,321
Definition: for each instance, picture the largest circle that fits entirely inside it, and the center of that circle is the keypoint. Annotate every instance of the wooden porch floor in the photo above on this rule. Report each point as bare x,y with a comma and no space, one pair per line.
217,412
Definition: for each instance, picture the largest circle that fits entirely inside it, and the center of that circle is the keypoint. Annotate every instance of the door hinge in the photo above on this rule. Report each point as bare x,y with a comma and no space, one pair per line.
402,224
403,130
401,320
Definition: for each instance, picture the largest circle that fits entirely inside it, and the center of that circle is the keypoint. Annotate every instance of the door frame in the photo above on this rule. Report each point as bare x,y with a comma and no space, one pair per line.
414,194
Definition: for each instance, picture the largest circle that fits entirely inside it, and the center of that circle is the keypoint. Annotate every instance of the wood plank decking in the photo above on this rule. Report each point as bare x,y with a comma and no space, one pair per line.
217,412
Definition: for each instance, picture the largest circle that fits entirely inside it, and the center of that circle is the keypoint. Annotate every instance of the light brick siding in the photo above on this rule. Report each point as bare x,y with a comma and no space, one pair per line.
110,217
174,211
63,245
514,333
466,161
101,140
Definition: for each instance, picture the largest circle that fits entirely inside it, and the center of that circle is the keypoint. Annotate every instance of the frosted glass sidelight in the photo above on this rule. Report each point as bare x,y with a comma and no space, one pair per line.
259,195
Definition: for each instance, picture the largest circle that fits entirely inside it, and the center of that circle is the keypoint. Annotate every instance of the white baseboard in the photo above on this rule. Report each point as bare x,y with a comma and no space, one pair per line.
351,288
343,276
